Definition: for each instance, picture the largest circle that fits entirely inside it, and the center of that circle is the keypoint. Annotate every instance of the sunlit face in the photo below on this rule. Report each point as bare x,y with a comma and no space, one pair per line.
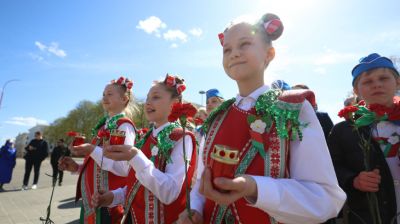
377,86
114,100
158,105
245,53
212,103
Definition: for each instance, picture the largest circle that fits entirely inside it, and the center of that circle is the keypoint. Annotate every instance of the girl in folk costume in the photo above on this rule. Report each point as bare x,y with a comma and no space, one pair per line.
157,181
264,158
93,176
365,147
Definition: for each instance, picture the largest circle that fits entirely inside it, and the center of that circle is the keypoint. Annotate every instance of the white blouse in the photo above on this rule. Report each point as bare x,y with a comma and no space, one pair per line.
389,130
167,185
311,194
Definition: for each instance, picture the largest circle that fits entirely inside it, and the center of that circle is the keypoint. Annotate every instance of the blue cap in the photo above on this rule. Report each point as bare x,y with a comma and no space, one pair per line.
280,84
213,92
372,61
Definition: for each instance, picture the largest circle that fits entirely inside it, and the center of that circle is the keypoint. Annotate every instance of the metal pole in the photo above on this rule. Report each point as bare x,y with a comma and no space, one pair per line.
4,87
202,92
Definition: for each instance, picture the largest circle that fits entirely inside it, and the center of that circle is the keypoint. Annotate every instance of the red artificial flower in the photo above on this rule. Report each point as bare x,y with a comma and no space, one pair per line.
198,121
72,133
379,110
221,38
180,88
180,110
129,84
170,80
121,80
347,111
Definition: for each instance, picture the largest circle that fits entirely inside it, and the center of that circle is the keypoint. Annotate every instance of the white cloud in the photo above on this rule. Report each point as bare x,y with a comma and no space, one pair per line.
26,121
52,49
174,45
151,25
173,35
196,32
41,46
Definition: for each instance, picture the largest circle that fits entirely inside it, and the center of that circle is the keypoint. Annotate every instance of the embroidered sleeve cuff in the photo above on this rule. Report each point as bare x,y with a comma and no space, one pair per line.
119,197
267,193
96,154
139,162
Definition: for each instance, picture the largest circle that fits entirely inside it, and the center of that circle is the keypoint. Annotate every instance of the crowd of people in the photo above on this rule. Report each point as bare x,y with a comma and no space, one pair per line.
267,155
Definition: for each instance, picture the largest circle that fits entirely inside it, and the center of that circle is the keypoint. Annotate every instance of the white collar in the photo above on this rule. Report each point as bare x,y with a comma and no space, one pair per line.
254,95
109,118
157,130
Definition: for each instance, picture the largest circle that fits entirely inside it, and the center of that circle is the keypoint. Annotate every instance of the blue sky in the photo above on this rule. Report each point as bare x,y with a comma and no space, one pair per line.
64,52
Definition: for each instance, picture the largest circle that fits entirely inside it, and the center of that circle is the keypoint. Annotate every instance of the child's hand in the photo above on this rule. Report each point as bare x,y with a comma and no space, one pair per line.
102,198
67,163
81,150
120,152
197,218
239,187
367,181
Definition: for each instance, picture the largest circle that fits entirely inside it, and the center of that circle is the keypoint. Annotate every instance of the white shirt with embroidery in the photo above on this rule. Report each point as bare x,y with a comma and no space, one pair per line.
386,129
312,194
166,186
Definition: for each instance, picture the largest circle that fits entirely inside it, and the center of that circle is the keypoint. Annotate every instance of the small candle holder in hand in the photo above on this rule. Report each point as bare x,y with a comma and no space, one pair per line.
117,137
223,162
79,138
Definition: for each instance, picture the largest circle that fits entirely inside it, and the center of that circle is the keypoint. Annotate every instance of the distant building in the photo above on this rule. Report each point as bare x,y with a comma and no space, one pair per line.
20,143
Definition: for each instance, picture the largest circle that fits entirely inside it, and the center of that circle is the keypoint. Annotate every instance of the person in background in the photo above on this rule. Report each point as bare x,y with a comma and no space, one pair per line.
364,147
280,84
36,151
213,99
59,151
199,119
323,117
7,163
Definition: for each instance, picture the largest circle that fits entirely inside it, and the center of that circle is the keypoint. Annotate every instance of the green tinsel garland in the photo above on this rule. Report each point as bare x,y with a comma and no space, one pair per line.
269,107
111,125
164,142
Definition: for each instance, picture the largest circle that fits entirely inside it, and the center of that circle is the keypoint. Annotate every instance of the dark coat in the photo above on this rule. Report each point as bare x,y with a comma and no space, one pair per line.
326,123
347,156
40,151
57,153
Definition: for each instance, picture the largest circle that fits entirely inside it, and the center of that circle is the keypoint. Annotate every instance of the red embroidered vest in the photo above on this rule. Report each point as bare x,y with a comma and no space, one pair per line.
231,129
91,176
143,206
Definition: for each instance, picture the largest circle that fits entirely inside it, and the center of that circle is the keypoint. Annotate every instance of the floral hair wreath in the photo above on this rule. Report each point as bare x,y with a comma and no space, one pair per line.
123,82
170,81
270,27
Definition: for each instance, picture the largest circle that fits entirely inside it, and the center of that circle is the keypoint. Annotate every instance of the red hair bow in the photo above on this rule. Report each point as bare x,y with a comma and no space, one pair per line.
221,38
272,26
123,82
171,82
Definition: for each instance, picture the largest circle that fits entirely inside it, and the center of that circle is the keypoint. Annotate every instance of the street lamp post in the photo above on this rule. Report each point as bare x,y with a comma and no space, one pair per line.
202,92
4,87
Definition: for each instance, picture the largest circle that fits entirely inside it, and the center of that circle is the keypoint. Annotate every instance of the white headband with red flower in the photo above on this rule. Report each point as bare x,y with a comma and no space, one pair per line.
171,82
123,82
